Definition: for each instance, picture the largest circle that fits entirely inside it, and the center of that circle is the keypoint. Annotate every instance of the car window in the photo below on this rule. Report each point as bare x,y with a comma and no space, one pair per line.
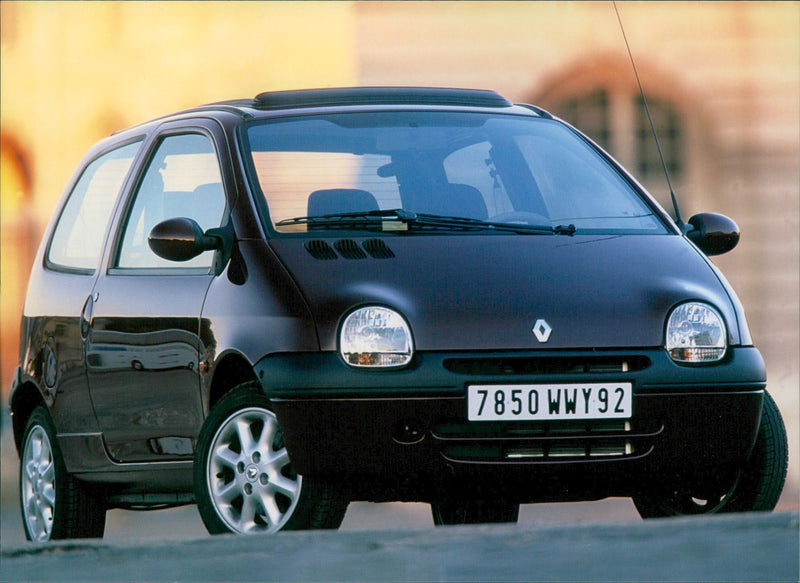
182,180
588,195
291,178
473,166
504,168
78,236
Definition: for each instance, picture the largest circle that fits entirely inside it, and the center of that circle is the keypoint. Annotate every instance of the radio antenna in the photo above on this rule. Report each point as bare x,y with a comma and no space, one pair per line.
678,218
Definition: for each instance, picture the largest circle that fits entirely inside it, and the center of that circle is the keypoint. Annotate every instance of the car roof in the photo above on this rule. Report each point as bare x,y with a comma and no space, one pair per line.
269,103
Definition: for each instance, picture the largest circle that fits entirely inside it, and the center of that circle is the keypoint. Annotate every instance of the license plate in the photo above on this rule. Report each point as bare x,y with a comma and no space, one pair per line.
548,402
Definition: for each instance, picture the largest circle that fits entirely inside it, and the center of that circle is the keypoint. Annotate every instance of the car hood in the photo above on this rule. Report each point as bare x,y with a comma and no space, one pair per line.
488,292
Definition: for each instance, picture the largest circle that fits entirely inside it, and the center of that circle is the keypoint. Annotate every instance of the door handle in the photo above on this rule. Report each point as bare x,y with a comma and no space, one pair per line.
86,315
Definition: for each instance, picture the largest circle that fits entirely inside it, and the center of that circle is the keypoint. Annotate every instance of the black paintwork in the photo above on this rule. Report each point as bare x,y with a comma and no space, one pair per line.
713,233
474,293
130,364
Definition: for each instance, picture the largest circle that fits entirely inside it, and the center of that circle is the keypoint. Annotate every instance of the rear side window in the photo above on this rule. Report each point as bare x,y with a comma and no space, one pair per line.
78,237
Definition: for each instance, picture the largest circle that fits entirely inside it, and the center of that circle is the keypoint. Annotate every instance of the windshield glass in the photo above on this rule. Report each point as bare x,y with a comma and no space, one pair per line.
487,167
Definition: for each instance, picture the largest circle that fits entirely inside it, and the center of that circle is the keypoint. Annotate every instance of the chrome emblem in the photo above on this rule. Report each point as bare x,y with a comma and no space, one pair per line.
542,330
251,473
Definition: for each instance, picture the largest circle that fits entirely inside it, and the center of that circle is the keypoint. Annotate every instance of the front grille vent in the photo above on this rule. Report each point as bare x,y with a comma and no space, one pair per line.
467,442
543,365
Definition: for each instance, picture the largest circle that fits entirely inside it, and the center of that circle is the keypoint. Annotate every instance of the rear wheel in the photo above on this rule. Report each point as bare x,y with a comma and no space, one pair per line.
244,479
757,487
55,505
473,512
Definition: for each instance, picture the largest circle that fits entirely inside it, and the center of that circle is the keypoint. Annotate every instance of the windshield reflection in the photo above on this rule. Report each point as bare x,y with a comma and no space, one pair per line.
498,168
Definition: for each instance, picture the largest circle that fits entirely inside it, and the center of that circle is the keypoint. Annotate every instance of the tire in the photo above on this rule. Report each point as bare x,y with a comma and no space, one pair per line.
243,478
757,488
477,512
54,504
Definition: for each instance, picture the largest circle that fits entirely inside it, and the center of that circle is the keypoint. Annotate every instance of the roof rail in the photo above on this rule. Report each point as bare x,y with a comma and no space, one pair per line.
380,96
535,108
234,107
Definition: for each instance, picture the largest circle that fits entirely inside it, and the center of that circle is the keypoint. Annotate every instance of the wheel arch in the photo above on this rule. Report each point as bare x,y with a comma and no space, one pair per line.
231,370
24,400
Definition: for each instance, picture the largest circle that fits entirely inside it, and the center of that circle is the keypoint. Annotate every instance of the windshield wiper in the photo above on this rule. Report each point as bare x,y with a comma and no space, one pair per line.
375,218
477,224
358,219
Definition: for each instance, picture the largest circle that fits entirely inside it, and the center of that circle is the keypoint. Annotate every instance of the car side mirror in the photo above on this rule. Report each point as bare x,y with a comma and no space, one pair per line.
713,233
181,239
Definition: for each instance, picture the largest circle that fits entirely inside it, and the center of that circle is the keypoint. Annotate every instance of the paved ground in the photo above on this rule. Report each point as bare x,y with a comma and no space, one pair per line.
745,547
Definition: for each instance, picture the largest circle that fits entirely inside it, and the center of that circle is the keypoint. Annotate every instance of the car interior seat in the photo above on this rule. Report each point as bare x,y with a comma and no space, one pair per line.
340,200
458,200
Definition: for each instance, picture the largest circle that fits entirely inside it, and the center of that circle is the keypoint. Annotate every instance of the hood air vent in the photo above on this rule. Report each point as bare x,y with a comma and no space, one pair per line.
378,249
348,249
320,250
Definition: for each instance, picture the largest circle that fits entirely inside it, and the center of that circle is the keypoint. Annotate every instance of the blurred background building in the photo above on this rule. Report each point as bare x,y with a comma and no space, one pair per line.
722,80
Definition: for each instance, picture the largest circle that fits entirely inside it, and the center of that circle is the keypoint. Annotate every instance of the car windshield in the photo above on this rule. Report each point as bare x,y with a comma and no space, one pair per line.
350,170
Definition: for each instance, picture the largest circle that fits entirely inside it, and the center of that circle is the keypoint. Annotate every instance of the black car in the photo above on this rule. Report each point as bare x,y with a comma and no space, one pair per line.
271,307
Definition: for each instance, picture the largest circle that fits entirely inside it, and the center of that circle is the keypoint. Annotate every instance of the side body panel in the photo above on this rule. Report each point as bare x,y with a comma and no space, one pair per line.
53,351
143,364
254,309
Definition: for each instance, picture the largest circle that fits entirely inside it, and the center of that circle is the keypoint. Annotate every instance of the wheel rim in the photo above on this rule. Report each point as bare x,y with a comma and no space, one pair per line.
38,485
250,479
682,502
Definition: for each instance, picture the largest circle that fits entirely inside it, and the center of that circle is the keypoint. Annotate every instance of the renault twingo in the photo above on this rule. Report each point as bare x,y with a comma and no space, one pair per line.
271,307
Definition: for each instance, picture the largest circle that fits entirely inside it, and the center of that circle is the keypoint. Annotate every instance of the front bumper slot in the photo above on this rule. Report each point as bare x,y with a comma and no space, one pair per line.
545,442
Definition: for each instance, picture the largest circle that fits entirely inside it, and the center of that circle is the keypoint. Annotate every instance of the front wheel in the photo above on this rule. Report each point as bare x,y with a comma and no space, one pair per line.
757,487
244,479
55,505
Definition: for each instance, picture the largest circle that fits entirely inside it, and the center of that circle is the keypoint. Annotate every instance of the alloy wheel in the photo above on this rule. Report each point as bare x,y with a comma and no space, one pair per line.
38,485
250,479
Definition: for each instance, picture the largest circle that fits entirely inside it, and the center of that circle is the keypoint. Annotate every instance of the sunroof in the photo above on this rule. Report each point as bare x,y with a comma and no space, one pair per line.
379,96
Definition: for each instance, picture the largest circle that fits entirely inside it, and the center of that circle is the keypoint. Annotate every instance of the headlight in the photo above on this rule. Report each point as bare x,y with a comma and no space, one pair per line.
695,333
376,337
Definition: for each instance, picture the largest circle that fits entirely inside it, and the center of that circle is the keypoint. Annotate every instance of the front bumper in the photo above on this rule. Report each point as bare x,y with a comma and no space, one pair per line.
404,434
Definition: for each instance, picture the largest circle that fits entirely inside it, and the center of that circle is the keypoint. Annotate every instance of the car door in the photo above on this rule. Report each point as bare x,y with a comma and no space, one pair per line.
144,346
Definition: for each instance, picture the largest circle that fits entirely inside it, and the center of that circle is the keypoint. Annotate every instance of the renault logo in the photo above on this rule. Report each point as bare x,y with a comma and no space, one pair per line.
542,330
